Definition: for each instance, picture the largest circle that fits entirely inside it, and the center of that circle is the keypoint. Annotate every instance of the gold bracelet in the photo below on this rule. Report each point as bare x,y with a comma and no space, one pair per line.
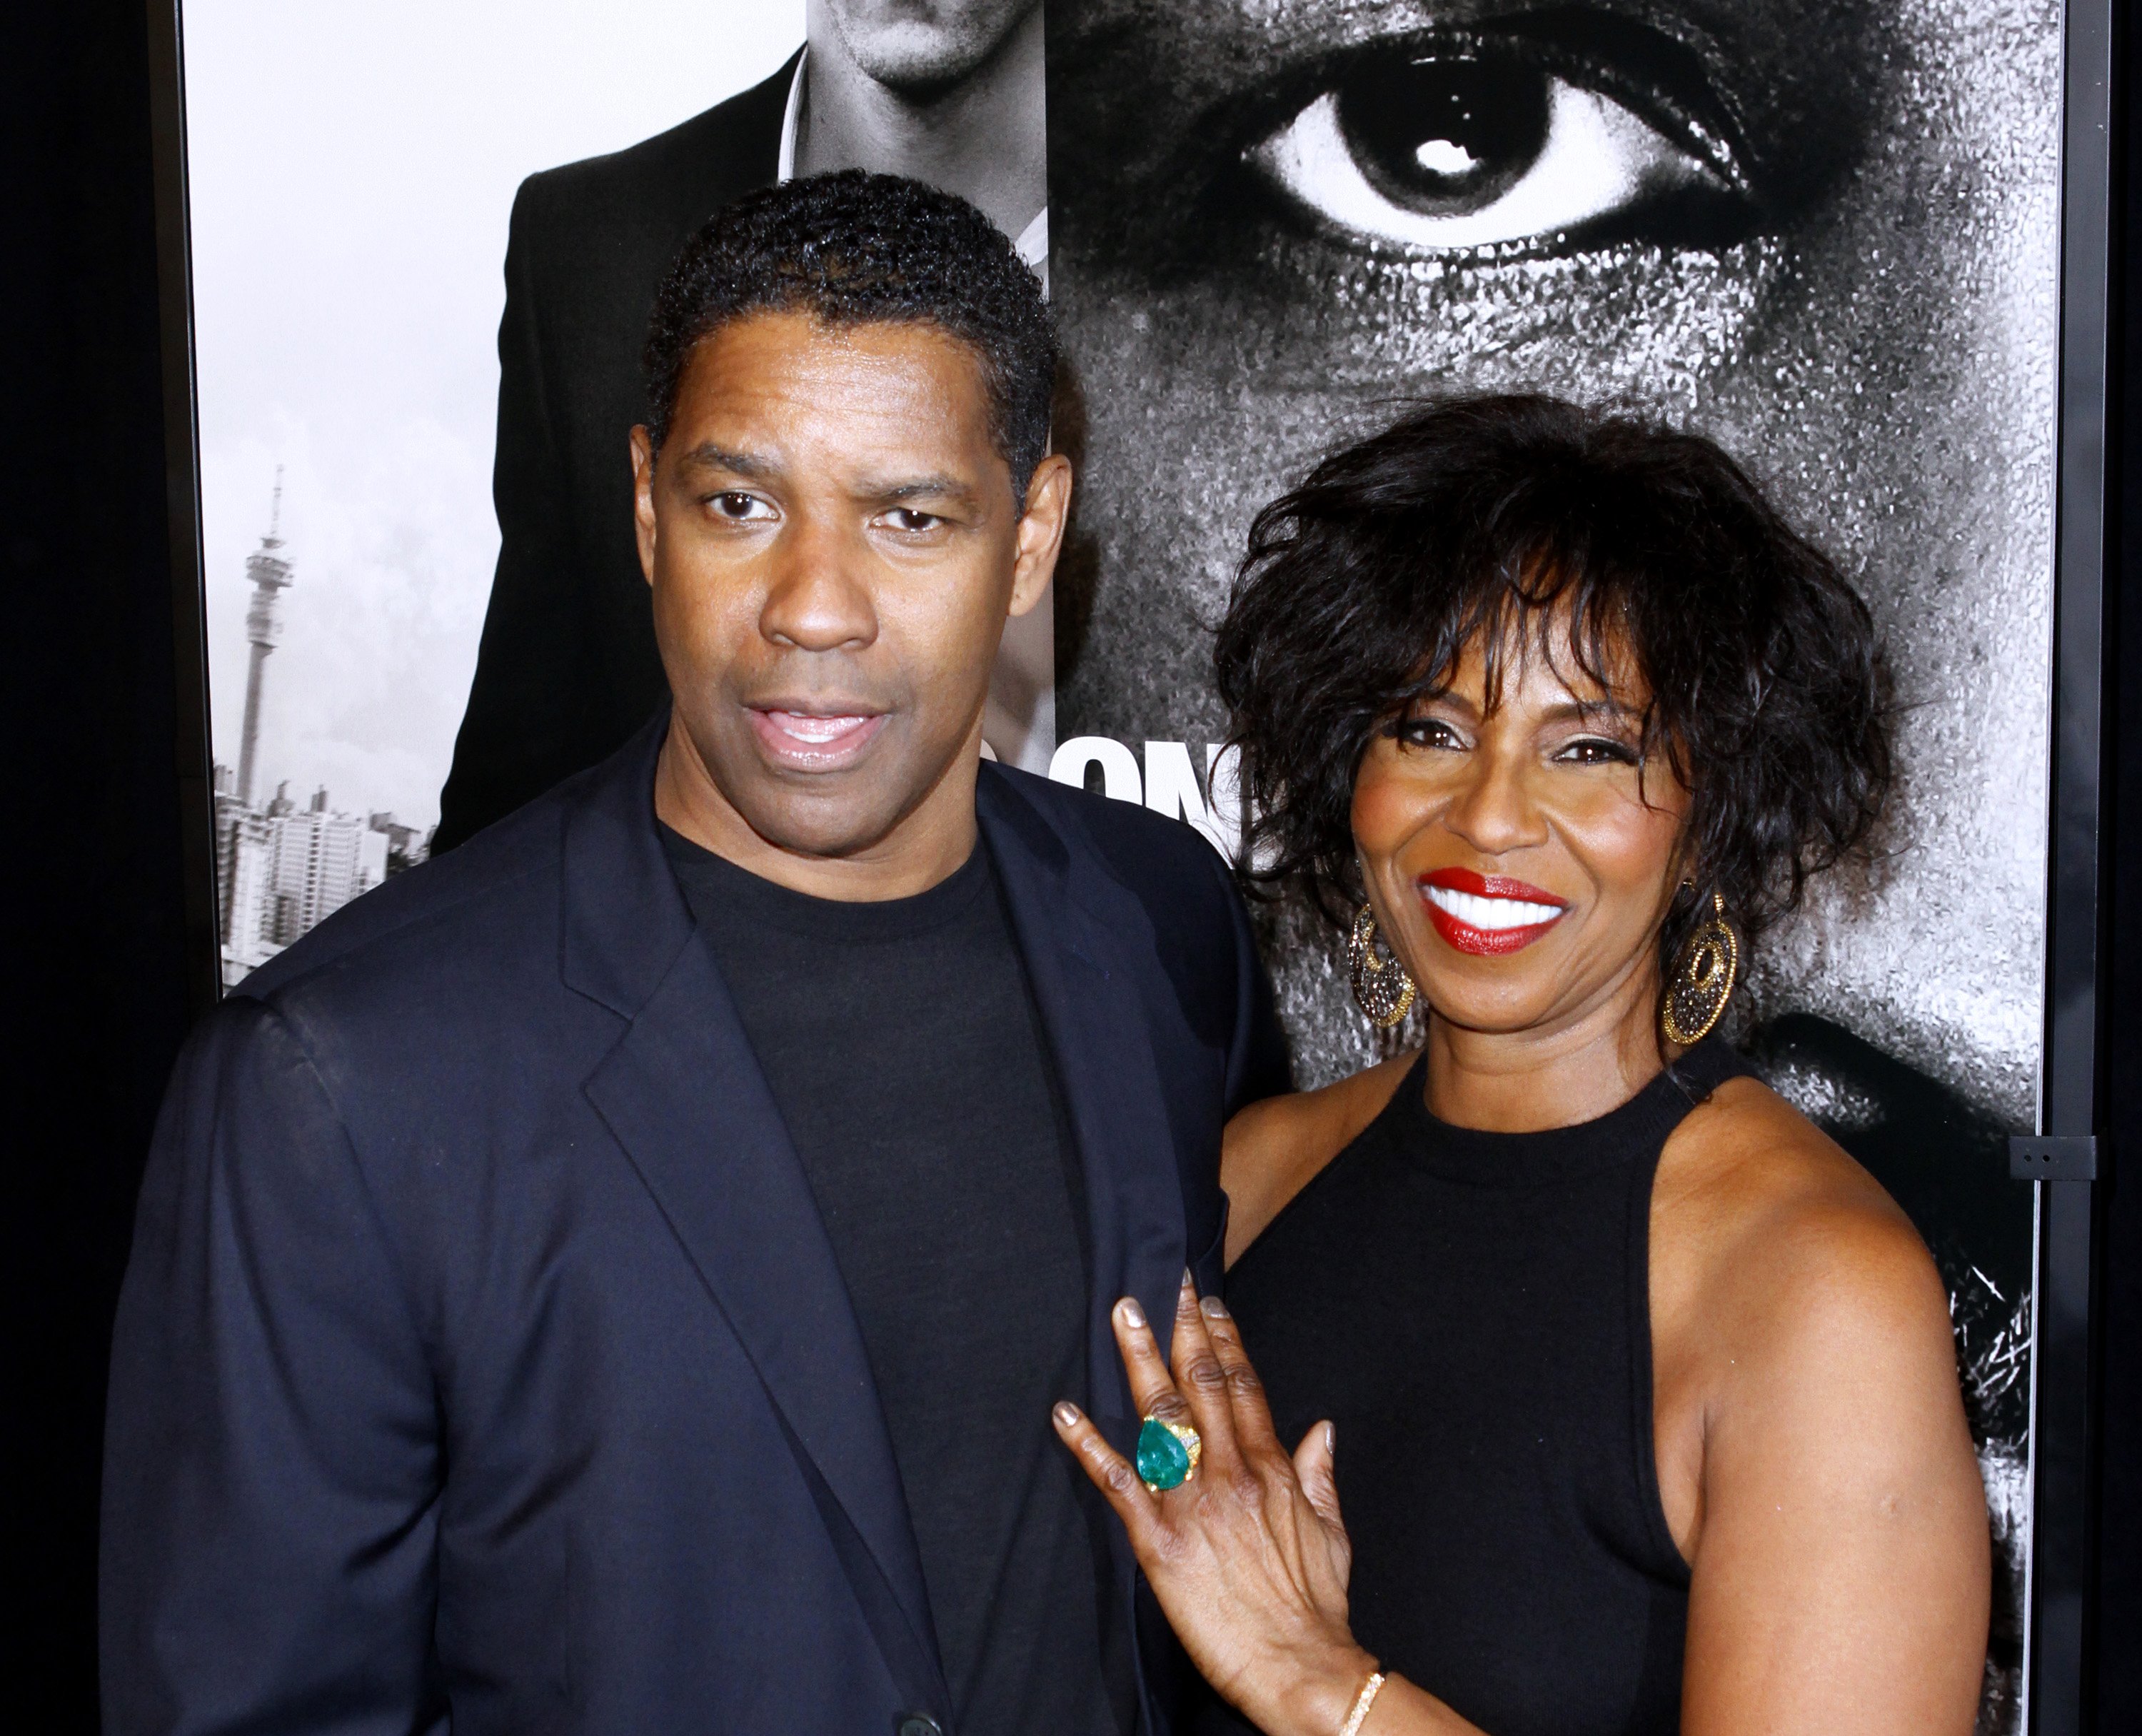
1362,1701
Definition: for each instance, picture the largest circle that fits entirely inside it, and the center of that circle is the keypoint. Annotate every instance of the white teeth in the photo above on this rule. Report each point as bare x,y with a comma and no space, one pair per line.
1476,911
815,729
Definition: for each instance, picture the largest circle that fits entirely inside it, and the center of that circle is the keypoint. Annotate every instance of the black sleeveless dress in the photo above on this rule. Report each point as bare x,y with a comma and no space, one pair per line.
1471,1310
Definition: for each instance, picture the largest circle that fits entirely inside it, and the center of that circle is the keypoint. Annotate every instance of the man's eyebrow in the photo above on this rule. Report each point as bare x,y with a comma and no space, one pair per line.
708,456
935,488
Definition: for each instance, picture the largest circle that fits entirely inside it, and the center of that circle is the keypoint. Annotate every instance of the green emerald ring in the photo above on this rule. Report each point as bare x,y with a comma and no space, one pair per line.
1167,1454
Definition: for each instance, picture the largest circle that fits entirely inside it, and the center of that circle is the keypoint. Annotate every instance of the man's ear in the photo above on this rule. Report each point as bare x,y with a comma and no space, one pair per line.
643,498
1041,531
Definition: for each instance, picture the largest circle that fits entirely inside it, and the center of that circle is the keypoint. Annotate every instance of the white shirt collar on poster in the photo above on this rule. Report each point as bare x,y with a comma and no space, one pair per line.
1032,241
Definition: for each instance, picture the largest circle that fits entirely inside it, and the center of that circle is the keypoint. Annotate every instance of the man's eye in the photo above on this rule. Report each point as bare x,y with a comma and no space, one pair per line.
901,518
1477,145
739,507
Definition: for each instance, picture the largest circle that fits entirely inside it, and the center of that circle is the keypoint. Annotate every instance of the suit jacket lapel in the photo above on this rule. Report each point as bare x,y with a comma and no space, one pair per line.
684,1095
1080,930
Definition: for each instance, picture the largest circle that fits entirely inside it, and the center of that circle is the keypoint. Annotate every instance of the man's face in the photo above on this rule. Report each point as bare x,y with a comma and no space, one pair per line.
921,47
1822,234
834,546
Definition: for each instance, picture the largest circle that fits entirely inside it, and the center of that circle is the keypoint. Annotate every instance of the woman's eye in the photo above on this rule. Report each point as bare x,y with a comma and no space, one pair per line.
740,508
1427,732
1590,750
1473,146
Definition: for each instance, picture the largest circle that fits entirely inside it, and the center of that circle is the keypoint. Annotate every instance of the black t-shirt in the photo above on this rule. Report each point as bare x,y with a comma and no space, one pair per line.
902,1045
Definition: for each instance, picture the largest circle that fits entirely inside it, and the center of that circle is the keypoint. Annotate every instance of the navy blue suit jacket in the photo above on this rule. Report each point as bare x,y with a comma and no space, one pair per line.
482,1360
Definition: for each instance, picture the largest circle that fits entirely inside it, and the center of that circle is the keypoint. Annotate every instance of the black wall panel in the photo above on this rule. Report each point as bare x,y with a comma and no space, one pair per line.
95,957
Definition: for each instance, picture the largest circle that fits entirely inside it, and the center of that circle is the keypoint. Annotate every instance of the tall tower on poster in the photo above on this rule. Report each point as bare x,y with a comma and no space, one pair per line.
270,575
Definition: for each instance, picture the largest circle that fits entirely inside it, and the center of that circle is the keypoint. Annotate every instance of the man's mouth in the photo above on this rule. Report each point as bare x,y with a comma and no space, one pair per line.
1488,914
814,740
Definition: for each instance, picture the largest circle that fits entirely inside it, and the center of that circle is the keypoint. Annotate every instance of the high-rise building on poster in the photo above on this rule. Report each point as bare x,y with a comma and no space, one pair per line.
270,575
282,868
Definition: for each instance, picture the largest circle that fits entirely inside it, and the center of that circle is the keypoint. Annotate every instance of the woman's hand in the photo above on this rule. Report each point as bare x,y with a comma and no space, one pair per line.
1248,1558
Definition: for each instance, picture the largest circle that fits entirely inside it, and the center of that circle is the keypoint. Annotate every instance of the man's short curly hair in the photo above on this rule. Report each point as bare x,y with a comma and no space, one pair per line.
1522,520
856,249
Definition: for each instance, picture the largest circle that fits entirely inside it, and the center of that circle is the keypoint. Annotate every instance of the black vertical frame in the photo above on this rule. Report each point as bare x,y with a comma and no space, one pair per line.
191,745
2062,1571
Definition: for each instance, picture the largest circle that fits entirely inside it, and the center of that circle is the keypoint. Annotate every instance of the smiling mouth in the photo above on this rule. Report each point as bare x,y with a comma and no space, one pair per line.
1488,914
812,740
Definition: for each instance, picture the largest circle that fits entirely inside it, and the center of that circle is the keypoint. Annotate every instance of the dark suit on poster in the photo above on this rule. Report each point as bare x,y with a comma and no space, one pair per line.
483,1361
567,668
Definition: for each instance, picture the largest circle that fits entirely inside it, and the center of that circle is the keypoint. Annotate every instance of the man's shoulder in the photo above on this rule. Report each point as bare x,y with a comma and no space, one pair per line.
463,920
683,175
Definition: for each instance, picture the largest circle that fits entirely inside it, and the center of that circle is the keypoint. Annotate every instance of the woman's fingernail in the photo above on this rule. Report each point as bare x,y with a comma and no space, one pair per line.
1331,1438
1130,1312
1214,1306
1067,1413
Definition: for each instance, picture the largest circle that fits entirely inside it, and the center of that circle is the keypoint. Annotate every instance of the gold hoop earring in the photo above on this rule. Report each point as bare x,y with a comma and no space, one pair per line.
1702,980
1382,989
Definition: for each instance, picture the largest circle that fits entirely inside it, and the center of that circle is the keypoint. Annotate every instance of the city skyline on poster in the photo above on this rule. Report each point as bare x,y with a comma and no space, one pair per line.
347,290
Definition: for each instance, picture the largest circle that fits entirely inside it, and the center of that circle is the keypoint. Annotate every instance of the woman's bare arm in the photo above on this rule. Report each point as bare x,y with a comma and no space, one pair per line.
1815,1462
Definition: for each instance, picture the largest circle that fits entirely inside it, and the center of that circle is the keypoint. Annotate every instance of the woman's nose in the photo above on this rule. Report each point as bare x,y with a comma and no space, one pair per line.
1495,810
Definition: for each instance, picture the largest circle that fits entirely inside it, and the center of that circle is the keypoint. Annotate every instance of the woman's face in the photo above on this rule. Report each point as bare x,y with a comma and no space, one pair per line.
1521,858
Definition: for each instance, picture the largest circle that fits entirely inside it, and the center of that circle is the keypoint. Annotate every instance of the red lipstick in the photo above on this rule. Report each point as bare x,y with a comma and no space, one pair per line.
1487,915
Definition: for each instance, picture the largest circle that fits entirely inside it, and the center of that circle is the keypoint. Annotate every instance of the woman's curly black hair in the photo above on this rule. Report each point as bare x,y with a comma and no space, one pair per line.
1519,521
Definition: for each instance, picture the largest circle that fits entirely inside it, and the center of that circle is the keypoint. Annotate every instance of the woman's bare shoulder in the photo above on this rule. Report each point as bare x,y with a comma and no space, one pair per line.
1273,1148
1745,1162
1767,1232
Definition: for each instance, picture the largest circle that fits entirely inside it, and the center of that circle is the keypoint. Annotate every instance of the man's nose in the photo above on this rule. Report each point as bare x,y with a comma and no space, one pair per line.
819,596
1495,811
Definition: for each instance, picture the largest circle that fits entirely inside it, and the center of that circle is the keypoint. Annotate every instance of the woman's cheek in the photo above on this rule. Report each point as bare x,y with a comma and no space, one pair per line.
1389,808
1625,842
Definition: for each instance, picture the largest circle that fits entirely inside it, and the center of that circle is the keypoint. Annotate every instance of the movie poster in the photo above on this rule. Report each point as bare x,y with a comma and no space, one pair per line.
1824,235
425,241
350,174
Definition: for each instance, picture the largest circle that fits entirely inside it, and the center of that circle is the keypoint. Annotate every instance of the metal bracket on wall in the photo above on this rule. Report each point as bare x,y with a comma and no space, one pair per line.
2042,1157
